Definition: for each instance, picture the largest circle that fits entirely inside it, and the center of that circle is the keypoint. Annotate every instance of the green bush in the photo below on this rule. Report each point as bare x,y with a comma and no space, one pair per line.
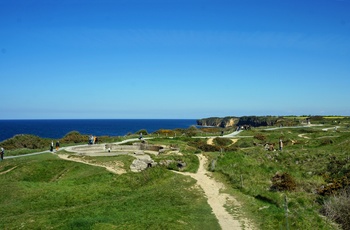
74,137
143,131
222,141
25,141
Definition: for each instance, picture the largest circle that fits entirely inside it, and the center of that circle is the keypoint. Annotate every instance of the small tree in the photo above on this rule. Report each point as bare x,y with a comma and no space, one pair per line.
143,131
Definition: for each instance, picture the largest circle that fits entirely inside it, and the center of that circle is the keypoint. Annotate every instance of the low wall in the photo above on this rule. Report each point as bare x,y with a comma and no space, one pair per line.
98,148
136,146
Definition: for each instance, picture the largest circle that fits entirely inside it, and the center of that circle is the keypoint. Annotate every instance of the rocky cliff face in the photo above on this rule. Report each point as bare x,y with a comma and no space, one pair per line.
218,122
254,121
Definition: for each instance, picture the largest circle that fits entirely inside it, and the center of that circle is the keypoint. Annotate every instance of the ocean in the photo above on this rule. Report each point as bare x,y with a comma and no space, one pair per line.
99,127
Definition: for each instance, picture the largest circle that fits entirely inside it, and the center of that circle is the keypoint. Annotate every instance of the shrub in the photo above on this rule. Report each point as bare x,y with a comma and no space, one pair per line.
327,141
209,148
260,137
25,141
283,182
143,131
244,143
336,185
337,208
74,137
222,141
191,131
165,132
210,129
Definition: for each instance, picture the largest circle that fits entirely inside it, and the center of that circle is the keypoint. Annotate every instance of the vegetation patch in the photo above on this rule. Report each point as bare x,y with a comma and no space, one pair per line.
283,182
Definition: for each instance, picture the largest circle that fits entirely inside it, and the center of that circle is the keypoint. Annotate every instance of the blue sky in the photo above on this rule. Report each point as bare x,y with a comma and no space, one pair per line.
173,58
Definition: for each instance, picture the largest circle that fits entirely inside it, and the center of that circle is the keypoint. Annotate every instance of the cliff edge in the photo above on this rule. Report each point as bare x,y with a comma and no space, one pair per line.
254,121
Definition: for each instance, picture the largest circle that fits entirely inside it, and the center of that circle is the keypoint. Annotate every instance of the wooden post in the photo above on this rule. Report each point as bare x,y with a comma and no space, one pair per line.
286,210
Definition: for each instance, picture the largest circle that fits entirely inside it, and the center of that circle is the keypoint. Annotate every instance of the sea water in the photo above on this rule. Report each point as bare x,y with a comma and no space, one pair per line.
97,127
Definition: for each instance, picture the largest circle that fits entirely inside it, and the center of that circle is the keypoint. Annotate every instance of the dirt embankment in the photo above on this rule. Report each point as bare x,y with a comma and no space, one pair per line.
116,168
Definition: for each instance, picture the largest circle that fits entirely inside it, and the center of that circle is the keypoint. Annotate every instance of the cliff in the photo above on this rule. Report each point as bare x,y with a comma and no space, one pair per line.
224,122
218,122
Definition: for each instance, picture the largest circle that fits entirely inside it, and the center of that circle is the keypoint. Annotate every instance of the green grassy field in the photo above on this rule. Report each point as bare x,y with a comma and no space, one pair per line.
45,192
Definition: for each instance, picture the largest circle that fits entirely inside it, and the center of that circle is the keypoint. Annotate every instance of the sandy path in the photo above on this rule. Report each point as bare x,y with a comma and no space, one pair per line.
216,200
303,136
211,140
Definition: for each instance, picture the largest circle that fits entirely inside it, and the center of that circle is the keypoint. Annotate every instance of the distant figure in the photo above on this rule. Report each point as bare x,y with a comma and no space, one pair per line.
91,139
140,136
51,146
57,145
281,144
2,153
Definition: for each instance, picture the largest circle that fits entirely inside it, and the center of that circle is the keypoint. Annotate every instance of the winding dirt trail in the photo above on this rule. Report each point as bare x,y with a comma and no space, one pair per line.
217,200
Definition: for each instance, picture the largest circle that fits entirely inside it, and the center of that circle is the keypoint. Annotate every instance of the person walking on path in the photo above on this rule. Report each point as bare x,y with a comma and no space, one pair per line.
2,153
51,146
57,145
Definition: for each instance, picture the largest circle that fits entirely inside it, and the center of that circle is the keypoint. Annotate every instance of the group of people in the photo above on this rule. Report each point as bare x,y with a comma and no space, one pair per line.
92,140
57,146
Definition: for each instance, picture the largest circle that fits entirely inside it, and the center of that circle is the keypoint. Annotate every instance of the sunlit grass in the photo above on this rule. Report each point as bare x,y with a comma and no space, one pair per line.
45,192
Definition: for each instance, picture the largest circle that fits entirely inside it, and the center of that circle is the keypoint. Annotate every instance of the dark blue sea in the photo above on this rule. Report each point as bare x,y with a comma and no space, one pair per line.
109,127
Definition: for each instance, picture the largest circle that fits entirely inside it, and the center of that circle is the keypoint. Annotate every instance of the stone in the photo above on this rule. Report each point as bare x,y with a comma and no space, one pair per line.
138,165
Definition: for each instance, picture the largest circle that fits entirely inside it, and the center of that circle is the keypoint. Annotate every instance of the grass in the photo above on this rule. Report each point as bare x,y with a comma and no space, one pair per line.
45,192
306,161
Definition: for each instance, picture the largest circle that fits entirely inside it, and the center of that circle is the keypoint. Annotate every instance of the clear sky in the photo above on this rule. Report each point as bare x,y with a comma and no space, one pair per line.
173,58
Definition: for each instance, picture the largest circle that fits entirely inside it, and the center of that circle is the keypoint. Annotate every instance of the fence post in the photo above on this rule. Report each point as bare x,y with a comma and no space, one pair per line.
286,210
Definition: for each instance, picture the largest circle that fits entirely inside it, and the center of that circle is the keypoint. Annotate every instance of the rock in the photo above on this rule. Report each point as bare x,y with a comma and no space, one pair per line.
138,165
143,162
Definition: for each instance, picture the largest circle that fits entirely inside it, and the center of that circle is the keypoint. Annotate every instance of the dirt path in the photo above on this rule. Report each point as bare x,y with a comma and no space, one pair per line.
210,141
8,170
303,136
217,200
